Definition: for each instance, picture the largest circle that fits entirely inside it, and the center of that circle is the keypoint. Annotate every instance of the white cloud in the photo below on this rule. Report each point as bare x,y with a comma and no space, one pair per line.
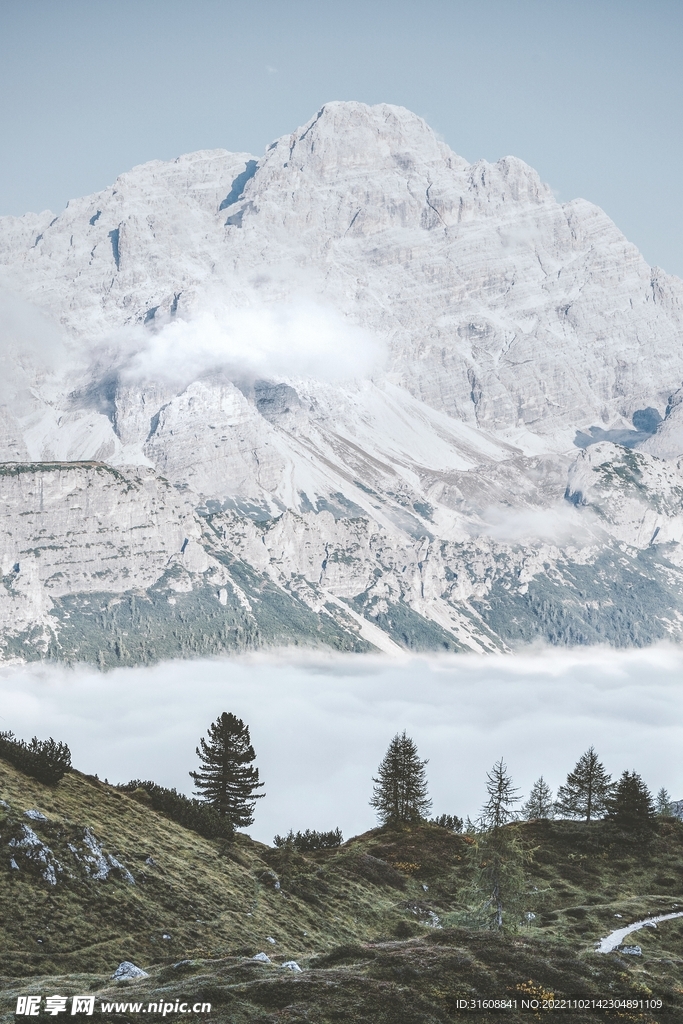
560,524
298,339
320,724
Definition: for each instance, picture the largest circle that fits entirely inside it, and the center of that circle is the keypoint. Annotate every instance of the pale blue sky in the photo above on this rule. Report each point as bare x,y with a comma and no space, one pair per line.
589,93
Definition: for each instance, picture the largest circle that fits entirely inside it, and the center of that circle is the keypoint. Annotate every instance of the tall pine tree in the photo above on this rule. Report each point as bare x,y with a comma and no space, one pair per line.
400,791
586,791
227,780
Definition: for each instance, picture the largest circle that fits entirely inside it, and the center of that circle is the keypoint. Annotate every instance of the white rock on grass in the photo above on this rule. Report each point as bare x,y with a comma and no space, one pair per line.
262,958
35,850
97,863
127,970
35,815
291,965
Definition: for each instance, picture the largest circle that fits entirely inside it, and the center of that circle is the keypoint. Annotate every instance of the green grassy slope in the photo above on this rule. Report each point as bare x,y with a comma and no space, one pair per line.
360,920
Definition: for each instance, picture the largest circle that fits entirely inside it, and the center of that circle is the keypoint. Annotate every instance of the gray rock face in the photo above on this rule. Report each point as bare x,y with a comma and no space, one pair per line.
677,808
357,392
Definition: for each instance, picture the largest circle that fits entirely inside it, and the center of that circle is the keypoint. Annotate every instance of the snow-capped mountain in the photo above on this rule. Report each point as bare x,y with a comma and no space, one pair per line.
399,400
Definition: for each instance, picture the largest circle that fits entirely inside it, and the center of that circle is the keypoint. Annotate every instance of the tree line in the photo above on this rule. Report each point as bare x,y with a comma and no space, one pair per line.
400,794
227,787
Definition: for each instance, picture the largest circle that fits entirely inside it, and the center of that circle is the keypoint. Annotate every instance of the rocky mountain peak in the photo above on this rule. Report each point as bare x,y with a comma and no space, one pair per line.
352,137
204,300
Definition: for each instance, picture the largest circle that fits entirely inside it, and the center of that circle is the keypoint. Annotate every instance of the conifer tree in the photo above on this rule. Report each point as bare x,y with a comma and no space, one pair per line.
498,809
227,780
586,791
498,855
400,790
540,803
664,804
631,803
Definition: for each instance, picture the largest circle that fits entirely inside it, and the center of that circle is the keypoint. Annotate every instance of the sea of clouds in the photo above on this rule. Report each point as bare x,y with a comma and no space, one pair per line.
321,723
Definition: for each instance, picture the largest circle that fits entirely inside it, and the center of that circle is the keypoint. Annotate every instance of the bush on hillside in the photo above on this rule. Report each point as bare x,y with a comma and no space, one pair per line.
310,840
193,814
450,821
45,760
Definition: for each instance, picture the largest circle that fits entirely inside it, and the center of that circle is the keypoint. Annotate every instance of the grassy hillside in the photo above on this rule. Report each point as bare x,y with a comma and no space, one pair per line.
378,926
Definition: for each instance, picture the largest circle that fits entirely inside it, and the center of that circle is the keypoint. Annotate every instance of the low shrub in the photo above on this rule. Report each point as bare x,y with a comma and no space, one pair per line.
45,760
449,821
310,840
191,813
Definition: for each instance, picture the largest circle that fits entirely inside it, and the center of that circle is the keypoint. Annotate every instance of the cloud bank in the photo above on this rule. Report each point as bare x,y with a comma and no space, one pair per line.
320,724
299,339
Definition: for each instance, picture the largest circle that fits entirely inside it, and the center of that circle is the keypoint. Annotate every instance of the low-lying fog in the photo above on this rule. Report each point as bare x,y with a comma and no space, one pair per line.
320,724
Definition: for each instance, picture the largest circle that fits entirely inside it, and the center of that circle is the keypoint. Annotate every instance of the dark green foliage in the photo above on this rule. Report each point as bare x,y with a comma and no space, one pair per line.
586,791
143,628
45,760
310,840
498,890
400,792
631,804
449,821
227,779
192,814
619,599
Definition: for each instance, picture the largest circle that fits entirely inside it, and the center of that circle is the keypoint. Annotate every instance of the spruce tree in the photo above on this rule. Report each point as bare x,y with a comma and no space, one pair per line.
227,780
631,804
586,791
663,804
540,803
400,790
